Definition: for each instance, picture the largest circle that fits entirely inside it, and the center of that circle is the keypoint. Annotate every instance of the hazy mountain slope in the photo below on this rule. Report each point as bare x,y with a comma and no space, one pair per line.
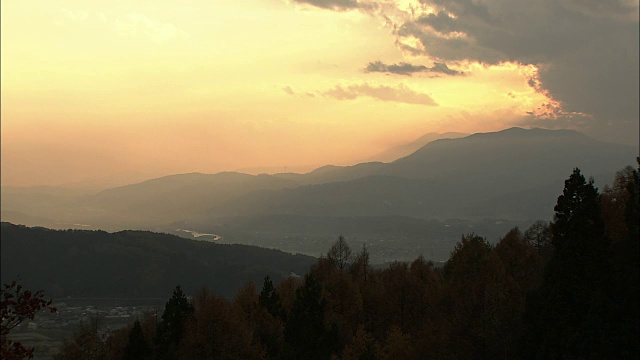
134,263
172,197
332,173
403,150
483,175
534,156
36,201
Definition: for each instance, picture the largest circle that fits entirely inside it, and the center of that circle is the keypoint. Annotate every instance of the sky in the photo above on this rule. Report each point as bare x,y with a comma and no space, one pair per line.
107,93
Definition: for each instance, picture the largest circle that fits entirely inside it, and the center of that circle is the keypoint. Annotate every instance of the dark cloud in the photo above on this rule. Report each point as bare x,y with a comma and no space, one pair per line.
408,69
401,94
587,51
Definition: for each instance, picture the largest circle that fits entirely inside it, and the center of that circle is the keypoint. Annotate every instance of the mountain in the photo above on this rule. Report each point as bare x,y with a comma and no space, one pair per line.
403,150
514,174
80,263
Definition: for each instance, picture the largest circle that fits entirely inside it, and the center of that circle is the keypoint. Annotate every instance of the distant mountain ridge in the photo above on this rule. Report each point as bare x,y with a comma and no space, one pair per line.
475,176
403,150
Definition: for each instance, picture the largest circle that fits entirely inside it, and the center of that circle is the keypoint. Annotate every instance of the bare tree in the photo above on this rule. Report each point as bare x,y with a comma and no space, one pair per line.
340,254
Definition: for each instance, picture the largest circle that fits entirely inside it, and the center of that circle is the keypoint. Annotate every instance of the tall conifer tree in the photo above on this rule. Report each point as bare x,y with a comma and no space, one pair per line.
564,314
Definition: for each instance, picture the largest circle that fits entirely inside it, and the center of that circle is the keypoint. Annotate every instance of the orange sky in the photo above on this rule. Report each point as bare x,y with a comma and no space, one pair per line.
125,90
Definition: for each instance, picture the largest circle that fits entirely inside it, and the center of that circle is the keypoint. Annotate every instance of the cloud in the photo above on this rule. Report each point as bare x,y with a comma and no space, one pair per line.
586,50
137,25
401,94
339,5
404,68
75,15
134,25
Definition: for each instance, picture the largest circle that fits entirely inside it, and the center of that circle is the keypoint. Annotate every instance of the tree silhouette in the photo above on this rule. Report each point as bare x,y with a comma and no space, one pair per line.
565,314
137,346
19,305
270,299
538,235
305,332
340,253
169,331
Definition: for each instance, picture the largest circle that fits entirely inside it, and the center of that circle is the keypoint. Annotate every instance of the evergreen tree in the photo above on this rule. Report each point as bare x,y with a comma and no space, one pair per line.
169,331
305,332
137,347
270,299
566,312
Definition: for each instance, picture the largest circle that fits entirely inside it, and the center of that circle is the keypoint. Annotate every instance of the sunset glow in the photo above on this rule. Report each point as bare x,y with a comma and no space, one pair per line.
116,92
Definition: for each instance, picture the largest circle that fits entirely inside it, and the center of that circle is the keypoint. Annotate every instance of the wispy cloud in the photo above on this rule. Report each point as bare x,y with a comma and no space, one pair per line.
400,93
75,15
137,25
339,5
404,68
134,25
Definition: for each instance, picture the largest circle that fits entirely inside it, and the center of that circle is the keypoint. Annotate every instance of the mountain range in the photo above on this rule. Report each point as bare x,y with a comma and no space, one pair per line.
515,174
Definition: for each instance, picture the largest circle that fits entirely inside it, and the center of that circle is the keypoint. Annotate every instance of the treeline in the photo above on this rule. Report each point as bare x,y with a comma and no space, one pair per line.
568,289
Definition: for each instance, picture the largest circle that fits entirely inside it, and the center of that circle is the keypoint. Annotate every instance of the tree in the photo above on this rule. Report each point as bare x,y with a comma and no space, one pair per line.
566,313
270,299
86,343
19,305
625,275
361,347
340,254
615,203
477,294
218,330
538,235
305,333
397,346
169,331
137,347
360,267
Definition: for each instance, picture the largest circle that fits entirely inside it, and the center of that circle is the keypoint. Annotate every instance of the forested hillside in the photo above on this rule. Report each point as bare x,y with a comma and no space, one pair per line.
80,263
568,289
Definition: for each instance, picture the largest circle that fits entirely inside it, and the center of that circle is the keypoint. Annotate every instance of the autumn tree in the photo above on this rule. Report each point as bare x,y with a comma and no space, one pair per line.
397,346
361,347
615,200
625,277
218,330
86,343
523,269
19,305
477,291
